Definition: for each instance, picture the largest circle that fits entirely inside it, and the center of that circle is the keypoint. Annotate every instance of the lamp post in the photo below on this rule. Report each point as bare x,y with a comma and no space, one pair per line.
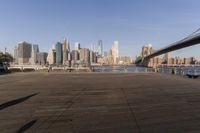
5,55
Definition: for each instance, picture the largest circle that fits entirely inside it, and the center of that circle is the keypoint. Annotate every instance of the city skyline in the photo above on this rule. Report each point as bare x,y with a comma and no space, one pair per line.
133,24
60,54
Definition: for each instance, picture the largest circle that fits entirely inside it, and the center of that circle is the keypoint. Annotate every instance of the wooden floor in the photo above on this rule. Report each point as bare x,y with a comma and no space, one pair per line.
99,103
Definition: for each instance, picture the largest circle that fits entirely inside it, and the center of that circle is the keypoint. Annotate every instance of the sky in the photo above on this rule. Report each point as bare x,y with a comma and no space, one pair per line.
133,23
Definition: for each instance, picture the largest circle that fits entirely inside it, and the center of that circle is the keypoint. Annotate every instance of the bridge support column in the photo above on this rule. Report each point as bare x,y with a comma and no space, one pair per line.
148,63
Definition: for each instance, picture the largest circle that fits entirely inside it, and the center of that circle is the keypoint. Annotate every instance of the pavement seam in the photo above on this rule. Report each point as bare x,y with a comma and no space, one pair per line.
131,110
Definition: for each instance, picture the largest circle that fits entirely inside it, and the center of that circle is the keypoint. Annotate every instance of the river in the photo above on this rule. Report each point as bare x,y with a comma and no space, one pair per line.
122,69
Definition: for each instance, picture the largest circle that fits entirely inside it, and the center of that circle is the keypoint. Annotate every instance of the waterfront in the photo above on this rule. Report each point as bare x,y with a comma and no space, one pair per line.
99,102
122,69
181,70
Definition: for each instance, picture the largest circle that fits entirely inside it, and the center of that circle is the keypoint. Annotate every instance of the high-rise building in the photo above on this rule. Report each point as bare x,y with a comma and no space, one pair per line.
65,50
35,50
84,55
100,45
59,54
75,55
190,60
115,51
51,58
77,46
91,56
69,56
167,57
42,58
67,45
24,52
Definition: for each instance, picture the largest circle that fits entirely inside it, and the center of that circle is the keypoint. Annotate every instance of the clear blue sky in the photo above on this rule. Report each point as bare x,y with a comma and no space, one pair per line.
132,22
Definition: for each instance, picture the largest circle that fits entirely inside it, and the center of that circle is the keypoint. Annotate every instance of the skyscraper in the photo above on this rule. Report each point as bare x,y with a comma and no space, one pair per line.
100,45
91,56
24,52
59,54
35,50
77,46
167,57
115,51
75,55
51,58
84,55
42,58
65,50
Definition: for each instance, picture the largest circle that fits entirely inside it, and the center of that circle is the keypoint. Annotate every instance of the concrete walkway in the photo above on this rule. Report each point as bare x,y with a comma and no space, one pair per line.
99,103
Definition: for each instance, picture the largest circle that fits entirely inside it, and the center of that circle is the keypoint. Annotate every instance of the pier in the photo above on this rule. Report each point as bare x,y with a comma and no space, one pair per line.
96,103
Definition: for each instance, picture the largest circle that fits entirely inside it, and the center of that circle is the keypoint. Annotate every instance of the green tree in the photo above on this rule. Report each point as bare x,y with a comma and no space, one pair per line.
5,57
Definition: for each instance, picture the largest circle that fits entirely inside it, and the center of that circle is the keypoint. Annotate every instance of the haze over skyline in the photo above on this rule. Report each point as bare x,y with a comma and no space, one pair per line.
132,23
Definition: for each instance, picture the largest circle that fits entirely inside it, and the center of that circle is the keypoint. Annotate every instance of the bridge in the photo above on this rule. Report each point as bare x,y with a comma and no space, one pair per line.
191,40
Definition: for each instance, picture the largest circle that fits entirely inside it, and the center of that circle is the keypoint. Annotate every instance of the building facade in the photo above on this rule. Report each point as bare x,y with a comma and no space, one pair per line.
59,54
51,58
34,51
24,53
42,58
65,51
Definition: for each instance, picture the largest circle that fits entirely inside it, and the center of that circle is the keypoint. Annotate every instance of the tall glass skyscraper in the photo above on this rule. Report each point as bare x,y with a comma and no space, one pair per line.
59,53
100,45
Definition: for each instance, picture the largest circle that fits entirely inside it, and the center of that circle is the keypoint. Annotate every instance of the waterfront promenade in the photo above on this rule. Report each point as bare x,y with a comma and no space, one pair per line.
99,103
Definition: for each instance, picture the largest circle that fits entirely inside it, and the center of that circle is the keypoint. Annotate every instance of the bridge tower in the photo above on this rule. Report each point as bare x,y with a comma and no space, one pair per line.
146,50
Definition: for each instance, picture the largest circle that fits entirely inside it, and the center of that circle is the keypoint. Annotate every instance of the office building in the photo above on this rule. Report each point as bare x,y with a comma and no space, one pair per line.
167,58
84,55
115,51
75,55
59,54
24,52
77,46
35,50
42,58
65,50
51,58
100,45
91,56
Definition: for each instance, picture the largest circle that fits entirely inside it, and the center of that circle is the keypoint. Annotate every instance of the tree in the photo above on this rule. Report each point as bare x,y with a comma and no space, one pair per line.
5,57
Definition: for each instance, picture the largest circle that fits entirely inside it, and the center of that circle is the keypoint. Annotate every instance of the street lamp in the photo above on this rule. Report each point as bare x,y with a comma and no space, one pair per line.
5,55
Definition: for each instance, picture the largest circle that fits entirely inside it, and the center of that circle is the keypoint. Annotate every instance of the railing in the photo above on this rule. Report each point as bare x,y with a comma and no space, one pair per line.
182,70
122,69
45,68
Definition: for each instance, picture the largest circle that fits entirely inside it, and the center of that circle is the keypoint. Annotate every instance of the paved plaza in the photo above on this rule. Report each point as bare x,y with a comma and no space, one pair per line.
99,103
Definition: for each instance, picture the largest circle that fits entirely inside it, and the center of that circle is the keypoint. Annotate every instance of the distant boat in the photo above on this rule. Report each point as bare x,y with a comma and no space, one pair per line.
193,73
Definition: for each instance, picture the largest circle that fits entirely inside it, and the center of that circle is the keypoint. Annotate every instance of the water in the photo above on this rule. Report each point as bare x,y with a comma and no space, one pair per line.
122,69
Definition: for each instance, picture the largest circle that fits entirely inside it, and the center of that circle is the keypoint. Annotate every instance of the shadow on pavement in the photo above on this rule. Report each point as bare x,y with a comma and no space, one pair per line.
16,101
26,126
